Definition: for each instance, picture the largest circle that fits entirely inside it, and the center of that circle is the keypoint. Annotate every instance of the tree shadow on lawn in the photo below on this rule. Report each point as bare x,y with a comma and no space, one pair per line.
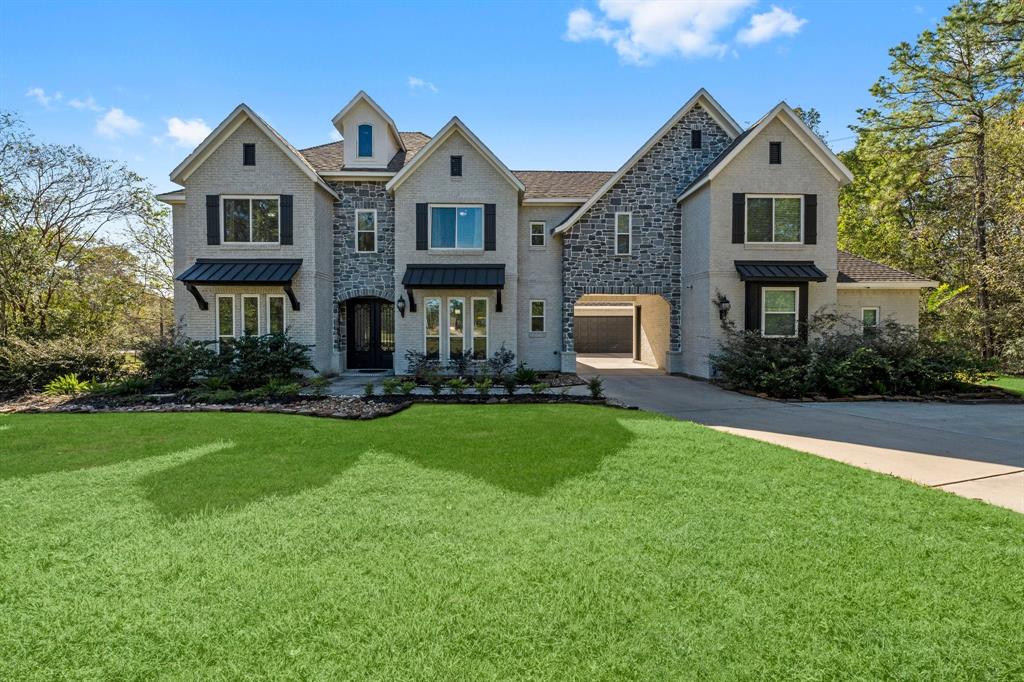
524,451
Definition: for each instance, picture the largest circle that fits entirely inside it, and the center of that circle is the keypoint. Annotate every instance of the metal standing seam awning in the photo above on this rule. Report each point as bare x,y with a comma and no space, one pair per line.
779,271
454,277
241,272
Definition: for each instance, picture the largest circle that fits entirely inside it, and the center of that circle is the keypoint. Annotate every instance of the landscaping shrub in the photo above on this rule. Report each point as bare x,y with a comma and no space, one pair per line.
422,366
389,386
500,364
596,386
368,390
69,384
525,375
407,387
510,384
483,387
123,386
840,360
539,387
457,386
462,364
319,385
176,362
436,386
258,359
28,365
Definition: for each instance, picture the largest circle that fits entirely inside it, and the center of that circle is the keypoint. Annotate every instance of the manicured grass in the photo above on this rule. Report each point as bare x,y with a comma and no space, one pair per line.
1008,383
483,542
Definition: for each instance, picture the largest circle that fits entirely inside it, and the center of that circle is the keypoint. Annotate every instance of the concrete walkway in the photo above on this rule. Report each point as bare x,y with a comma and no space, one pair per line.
976,451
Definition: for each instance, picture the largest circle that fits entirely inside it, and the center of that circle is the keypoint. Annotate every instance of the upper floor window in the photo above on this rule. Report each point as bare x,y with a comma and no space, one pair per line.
366,230
456,166
536,316
538,234
774,220
774,152
456,227
249,154
251,219
695,139
623,233
366,140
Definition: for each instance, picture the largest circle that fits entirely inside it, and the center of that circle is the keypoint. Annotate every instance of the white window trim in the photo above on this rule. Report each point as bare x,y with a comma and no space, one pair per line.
284,312
259,313
630,233
430,228
448,324
487,325
543,316
373,141
216,318
746,218
878,316
374,212
441,310
250,197
796,312
543,234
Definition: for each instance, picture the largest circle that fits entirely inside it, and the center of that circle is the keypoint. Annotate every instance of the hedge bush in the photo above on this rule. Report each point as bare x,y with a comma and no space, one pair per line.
28,365
841,359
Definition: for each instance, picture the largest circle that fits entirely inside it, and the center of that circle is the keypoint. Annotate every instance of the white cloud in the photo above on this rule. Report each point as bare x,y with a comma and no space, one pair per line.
187,133
88,104
770,25
116,123
39,95
420,84
640,30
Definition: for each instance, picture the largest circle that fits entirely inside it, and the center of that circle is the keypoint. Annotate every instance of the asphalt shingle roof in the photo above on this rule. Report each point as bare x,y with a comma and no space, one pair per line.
854,268
553,184
329,157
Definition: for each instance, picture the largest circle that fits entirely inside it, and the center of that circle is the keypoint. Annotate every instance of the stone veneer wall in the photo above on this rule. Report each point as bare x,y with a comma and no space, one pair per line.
648,190
361,274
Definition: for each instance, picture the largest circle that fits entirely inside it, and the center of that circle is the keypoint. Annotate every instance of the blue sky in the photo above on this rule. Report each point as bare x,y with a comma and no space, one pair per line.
552,85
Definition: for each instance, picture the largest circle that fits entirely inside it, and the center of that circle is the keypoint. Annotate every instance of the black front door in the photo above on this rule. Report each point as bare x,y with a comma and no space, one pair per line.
371,333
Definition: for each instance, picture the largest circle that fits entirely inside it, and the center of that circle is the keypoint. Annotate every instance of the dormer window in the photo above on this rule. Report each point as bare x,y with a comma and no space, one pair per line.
365,140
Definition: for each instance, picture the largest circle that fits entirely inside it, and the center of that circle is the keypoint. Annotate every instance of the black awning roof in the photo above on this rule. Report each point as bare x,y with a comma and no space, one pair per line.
779,271
269,271
454,277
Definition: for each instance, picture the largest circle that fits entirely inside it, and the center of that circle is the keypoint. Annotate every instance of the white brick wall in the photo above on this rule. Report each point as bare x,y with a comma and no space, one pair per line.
540,278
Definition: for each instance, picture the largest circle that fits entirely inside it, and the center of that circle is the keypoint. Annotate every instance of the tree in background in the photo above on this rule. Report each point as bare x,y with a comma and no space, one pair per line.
939,178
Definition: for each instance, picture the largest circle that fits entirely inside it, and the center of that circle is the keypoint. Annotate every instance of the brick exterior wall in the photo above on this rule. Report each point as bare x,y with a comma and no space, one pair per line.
648,190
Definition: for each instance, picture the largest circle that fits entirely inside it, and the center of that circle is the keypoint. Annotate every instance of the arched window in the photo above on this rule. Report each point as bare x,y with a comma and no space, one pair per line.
366,140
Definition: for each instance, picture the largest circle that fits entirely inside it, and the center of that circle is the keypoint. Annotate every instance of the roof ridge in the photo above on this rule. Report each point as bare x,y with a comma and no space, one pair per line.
541,170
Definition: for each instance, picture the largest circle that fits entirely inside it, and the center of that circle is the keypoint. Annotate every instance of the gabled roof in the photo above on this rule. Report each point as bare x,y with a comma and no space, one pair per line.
701,97
361,96
854,270
791,120
240,115
562,184
330,157
447,131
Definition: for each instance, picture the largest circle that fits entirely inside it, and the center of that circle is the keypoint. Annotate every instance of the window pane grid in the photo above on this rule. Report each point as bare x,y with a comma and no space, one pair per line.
779,312
366,230
774,219
536,316
623,230
537,234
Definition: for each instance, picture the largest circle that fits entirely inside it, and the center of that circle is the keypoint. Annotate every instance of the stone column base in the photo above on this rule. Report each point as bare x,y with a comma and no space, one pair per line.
569,361
674,362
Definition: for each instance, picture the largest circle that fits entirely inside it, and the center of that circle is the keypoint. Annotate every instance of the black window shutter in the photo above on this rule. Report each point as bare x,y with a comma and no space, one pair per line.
810,219
775,152
739,206
490,228
752,307
421,227
286,219
212,219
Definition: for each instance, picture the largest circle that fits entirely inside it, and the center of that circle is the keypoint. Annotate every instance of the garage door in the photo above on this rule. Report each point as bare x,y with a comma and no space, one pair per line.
604,334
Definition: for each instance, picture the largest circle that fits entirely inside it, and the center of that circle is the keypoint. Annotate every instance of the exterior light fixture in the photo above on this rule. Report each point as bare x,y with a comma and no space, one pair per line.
723,306
401,305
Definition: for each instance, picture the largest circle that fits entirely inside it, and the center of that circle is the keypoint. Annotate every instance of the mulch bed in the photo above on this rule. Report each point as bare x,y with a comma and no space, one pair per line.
332,407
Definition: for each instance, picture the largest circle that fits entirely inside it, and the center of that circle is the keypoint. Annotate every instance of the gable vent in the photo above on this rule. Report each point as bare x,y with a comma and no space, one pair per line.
249,154
774,152
456,165
695,140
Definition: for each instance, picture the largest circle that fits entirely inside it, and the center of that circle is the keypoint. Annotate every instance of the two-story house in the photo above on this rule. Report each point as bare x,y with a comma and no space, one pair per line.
388,241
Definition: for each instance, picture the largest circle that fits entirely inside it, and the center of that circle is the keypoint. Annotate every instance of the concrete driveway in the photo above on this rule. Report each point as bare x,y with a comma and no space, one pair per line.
975,451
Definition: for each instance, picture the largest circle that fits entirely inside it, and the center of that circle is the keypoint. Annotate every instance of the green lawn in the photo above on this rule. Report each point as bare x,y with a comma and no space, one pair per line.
483,542
1008,383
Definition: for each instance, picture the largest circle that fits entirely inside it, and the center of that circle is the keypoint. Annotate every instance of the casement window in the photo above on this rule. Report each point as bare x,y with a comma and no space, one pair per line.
456,326
480,322
456,166
538,234
870,318
536,316
276,312
695,139
251,315
779,307
432,327
775,153
366,230
365,140
225,322
456,227
249,154
774,220
623,233
251,219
